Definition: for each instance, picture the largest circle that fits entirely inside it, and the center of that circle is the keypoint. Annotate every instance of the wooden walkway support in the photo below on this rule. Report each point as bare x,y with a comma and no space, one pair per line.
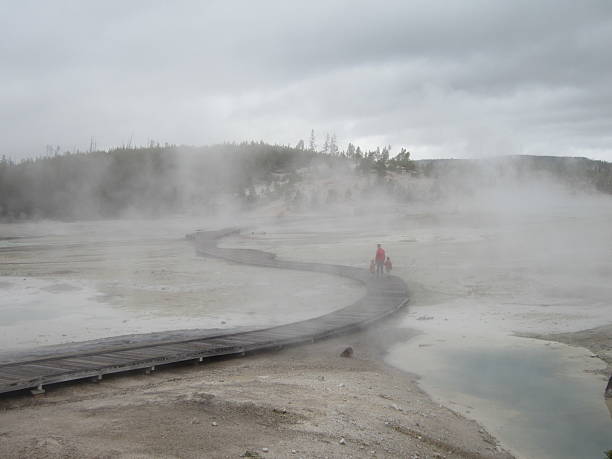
383,296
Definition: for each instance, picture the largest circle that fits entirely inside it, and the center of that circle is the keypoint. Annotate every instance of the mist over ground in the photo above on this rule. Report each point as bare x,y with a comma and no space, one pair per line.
236,178
490,249
489,259
127,126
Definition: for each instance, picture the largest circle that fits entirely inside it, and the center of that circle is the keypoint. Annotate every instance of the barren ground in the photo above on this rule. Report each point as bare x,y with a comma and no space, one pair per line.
597,340
298,402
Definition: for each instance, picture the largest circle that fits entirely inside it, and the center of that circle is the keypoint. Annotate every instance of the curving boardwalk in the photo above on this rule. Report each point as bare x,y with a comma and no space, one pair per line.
383,297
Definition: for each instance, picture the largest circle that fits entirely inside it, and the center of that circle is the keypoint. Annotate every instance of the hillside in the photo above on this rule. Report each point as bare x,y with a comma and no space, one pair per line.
167,180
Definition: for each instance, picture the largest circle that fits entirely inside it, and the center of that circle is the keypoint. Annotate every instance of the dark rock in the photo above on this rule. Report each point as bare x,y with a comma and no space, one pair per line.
348,352
249,453
608,393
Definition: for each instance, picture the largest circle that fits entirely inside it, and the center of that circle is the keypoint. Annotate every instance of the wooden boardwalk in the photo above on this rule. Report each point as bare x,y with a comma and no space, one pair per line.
383,297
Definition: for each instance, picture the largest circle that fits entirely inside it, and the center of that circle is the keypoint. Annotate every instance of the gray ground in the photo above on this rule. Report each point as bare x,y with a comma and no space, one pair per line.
300,402
597,340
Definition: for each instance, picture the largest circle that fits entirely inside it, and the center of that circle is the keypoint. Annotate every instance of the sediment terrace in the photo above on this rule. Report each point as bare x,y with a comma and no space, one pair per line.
383,297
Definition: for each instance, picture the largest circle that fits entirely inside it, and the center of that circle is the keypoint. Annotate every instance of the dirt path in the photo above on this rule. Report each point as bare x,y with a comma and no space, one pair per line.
300,402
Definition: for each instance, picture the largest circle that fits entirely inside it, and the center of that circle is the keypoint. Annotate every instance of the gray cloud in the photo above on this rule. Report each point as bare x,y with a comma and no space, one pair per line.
444,79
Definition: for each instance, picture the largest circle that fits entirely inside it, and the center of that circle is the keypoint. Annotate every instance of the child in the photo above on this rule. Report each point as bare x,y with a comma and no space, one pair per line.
388,265
372,266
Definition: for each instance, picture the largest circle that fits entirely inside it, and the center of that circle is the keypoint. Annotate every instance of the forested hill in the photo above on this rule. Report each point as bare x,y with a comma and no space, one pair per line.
154,180
166,180
161,180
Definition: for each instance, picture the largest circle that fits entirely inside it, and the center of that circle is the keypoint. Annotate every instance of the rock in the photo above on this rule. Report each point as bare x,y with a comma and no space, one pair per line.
342,441
249,453
293,451
348,352
214,424
425,318
608,393
265,450
195,421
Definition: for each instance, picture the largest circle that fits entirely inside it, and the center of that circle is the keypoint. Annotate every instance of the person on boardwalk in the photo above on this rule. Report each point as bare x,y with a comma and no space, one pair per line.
388,265
380,260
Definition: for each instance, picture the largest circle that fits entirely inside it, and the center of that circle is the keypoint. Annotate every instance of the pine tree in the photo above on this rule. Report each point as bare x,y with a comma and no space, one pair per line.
402,161
326,144
350,150
312,145
384,156
333,146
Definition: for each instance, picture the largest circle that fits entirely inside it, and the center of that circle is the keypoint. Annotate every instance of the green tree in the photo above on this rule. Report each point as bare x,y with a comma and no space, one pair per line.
402,162
350,151
312,145
333,145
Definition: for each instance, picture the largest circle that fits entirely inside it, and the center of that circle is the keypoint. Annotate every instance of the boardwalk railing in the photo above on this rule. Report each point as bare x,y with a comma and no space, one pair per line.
383,296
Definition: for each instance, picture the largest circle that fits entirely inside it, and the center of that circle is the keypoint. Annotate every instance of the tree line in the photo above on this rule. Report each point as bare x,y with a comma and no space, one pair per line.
158,180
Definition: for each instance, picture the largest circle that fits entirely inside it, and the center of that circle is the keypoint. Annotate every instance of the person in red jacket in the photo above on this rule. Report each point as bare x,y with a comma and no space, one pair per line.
380,260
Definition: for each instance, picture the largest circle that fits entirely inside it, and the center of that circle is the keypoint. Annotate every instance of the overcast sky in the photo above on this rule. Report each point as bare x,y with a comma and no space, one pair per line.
444,79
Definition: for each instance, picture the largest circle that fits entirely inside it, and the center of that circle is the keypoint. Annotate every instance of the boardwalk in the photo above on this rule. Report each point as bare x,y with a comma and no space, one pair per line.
383,297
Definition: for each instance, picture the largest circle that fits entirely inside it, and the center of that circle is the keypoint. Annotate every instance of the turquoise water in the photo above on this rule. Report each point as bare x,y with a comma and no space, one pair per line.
537,406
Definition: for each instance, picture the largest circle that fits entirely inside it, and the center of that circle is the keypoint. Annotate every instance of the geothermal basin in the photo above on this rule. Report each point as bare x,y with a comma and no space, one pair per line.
480,280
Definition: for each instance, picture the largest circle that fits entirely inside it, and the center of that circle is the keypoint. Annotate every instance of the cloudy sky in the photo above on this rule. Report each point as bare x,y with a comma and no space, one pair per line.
444,79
